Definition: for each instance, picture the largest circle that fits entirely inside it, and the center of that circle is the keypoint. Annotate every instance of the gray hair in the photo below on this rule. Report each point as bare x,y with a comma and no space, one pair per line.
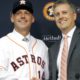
72,6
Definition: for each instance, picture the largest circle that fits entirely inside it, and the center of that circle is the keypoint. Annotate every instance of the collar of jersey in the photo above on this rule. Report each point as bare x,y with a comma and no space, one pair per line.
19,36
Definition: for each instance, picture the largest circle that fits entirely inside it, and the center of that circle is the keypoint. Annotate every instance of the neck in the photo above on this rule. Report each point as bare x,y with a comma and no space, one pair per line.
23,32
65,31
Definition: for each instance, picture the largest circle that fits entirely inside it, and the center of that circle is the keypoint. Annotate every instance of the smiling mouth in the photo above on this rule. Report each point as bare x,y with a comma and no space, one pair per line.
62,21
22,21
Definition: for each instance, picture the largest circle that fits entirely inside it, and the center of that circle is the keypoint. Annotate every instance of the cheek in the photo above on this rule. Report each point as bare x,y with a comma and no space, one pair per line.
31,20
13,19
56,20
71,18
58,24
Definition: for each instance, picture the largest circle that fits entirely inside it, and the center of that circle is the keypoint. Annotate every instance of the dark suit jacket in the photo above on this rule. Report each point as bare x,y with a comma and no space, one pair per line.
73,68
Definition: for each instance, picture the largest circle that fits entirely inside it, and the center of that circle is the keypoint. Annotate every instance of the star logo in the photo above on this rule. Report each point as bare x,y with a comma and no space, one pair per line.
48,11
22,2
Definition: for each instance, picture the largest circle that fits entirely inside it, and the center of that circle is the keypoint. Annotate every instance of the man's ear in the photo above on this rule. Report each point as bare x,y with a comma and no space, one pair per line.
75,16
33,19
11,17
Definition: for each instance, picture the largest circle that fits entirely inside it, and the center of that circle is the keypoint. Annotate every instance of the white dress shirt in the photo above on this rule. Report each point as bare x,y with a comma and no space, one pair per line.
69,34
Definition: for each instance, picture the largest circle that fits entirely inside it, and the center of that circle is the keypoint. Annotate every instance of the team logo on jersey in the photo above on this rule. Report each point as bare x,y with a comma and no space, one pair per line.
48,11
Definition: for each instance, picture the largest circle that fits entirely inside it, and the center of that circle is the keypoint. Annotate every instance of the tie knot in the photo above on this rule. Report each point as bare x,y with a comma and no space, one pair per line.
65,36
25,39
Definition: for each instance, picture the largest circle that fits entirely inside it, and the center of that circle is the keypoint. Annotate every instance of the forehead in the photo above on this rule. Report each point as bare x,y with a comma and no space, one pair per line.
62,7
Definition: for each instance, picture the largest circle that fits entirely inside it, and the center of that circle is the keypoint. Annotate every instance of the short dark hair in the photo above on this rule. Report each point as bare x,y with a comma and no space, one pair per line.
72,6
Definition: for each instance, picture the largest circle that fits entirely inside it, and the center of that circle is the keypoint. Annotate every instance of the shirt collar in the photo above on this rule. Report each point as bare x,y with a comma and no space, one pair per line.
19,36
70,33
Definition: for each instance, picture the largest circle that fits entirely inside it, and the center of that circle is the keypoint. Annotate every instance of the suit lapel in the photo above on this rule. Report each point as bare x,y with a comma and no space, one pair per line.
56,56
57,48
56,51
73,42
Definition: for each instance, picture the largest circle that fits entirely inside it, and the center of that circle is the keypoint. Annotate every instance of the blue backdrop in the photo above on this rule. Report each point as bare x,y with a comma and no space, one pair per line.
44,27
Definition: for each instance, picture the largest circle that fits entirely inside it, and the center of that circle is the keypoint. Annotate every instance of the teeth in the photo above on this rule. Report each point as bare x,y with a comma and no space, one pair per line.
62,22
22,21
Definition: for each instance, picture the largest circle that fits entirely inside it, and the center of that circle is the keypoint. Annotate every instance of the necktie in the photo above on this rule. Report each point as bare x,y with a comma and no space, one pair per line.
25,39
63,68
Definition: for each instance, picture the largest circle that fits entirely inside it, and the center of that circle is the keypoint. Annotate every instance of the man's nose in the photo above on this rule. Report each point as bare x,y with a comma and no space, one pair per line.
60,15
22,15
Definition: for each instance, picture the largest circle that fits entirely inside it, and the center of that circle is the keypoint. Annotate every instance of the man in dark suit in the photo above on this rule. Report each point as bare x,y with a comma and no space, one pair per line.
65,17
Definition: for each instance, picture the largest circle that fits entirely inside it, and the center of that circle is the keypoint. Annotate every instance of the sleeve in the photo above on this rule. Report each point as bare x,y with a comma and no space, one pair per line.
4,65
46,65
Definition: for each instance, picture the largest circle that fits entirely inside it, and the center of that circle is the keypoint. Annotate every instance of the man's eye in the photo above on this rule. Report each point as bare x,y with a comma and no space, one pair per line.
64,12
